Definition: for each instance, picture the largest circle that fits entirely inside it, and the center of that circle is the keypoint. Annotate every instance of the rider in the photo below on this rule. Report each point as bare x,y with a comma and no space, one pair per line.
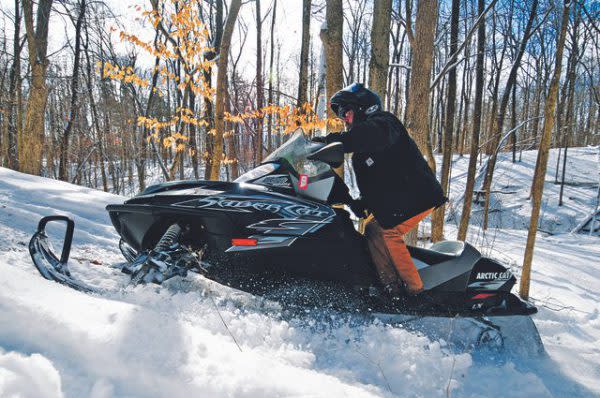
395,182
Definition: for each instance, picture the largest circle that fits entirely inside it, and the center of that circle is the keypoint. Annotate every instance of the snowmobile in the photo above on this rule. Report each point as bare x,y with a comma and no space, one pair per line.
277,231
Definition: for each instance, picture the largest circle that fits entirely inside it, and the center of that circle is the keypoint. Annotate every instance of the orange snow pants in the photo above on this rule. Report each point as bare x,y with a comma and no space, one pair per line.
390,254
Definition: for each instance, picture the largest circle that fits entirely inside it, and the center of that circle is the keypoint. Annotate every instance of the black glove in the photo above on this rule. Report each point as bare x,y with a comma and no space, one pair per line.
321,140
358,207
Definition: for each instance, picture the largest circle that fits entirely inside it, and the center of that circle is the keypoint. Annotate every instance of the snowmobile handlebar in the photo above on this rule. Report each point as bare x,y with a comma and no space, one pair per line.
332,154
66,250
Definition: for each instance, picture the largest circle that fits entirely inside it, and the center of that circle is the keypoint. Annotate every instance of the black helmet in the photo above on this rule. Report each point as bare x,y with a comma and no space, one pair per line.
356,97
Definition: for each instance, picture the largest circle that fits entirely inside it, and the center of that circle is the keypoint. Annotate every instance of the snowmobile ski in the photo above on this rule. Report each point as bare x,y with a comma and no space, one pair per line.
47,263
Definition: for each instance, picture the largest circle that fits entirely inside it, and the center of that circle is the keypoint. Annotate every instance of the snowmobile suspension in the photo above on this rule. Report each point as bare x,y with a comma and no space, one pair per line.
171,236
168,259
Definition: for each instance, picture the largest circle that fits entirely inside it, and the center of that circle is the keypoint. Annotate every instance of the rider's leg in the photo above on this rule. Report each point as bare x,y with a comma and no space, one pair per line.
386,270
394,241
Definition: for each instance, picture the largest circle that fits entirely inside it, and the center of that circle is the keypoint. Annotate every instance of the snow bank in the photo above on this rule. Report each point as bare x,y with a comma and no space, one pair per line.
31,376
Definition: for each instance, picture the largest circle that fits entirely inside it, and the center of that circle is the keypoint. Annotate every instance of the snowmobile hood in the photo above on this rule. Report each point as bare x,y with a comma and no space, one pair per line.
178,187
178,191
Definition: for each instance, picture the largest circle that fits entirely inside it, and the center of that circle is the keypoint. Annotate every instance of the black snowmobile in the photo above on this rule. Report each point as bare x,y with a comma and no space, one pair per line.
276,232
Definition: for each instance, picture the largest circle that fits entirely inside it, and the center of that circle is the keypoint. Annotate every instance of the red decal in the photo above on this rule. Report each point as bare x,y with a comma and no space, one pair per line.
243,242
303,182
481,296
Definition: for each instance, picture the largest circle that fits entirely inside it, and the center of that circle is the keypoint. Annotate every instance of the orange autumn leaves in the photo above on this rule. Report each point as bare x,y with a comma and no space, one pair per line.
184,40
287,118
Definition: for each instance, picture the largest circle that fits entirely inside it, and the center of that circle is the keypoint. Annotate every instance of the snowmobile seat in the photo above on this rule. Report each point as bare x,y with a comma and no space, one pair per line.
452,248
438,252
427,256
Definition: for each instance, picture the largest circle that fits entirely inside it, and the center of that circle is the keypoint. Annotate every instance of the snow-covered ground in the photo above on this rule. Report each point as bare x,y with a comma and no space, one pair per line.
170,341
509,208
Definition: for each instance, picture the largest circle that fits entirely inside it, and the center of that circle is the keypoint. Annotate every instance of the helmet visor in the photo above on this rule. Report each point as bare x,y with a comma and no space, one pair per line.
343,110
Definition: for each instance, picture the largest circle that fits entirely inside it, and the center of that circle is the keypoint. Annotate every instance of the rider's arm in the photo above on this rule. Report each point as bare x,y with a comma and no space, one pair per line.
341,195
371,135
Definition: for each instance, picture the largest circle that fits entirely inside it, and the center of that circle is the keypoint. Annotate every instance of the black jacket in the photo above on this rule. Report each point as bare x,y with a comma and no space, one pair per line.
394,179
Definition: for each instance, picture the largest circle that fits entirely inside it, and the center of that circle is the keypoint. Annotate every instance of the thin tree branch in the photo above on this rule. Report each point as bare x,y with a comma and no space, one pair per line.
451,62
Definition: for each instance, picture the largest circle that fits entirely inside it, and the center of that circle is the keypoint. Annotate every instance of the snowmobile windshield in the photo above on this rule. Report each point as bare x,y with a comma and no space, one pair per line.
260,171
295,151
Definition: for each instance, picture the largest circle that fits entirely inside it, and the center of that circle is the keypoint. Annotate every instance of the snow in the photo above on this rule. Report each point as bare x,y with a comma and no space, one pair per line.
512,210
28,376
157,342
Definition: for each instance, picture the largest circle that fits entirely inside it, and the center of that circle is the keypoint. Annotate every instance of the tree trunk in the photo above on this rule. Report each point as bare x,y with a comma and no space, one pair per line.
333,41
31,146
465,97
320,95
333,49
542,158
259,86
64,143
569,123
380,47
193,133
230,142
499,118
536,112
513,123
437,219
474,149
13,126
234,9
95,117
271,76
208,105
303,79
417,112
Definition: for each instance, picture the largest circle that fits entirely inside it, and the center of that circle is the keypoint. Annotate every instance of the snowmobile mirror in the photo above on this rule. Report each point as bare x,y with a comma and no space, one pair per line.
332,154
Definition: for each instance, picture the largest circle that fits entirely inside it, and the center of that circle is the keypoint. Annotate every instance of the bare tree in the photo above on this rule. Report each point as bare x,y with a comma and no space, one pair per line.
303,79
542,158
498,120
209,116
355,16
476,132
14,93
569,119
333,42
437,222
417,112
234,9
30,149
271,77
260,95
380,47
73,107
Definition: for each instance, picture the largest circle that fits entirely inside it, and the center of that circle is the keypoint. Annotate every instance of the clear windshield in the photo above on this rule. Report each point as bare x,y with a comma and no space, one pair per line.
295,151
